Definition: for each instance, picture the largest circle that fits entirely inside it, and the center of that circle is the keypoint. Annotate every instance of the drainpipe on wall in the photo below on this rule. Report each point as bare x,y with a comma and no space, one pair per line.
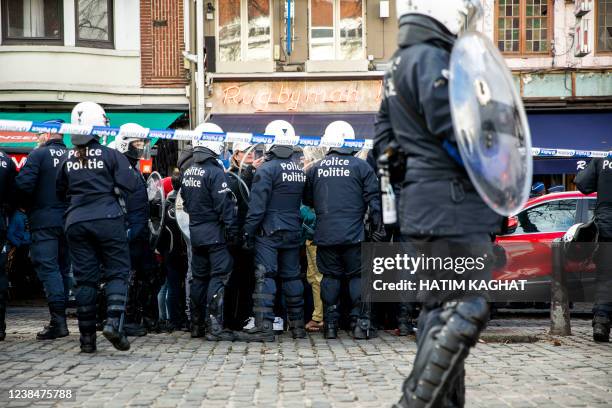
201,69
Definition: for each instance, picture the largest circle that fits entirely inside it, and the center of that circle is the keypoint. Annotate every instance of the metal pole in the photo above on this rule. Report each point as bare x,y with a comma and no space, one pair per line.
559,305
201,70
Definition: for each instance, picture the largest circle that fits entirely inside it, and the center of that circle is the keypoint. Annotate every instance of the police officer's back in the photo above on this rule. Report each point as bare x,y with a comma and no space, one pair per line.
210,205
597,177
91,179
273,226
341,188
36,186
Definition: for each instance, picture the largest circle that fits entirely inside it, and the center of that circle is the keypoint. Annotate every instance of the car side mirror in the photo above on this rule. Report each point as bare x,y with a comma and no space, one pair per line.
512,224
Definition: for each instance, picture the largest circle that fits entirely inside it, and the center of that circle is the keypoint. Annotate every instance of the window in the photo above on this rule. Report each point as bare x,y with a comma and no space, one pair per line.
556,216
604,25
32,21
336,30
244,30
94,23
524,26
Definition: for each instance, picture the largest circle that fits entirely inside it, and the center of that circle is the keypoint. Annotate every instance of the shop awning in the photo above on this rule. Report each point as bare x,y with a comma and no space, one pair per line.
26,141
305,124
572,130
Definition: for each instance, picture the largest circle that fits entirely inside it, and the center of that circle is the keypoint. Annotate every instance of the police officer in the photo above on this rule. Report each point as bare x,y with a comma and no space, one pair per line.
273,227
210,205
439,204
597,177
7,185
36,188
92,179
341,188
142,304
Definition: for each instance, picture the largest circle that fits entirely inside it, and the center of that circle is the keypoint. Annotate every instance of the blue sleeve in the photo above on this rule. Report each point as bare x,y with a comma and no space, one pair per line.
371,192
383,129
28,176
61,182
261,191
123,173
432,88
222,196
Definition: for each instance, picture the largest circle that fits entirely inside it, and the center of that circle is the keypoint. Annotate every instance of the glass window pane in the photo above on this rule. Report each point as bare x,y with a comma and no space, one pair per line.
322,30
604,22
508,25
34,19
351,29
259,38
93,20
555,216
229,30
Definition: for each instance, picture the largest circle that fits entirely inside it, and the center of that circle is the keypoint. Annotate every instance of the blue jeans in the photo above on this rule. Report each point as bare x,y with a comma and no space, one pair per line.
49,255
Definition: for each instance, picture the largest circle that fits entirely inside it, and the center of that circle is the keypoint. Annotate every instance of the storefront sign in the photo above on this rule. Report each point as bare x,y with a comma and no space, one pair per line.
296,96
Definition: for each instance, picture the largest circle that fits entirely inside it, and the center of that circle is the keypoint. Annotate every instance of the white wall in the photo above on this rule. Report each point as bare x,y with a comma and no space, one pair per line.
564,21
51,72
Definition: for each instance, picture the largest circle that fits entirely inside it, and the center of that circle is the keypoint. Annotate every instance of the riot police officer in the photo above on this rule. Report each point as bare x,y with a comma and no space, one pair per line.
341,188
7,185
597,177
210,205
273,228
92,179
439,203
142,304
36,188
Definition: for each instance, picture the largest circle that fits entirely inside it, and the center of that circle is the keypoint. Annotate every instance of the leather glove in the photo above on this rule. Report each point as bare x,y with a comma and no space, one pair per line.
232,235
379,234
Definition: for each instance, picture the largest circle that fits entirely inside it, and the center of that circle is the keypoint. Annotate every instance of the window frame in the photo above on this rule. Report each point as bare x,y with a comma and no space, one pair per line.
6,40
244,36
522,53
105,44
336,30
596,31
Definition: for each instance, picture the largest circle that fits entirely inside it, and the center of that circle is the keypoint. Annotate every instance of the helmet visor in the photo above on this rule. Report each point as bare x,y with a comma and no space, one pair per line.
139,149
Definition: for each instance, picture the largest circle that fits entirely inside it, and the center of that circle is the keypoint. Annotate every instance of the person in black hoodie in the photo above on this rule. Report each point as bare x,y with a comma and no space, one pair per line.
439,204
92,179
36,191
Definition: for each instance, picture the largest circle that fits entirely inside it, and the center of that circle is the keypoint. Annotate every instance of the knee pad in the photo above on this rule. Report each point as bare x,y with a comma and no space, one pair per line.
87,318
442,352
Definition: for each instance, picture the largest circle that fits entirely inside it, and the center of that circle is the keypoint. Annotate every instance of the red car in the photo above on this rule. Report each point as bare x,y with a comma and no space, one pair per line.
528,245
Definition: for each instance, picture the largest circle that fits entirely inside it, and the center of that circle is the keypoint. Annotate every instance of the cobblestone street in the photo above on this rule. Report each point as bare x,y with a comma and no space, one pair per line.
168,370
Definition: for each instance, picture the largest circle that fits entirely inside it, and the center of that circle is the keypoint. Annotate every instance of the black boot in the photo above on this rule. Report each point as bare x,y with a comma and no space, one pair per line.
197,323
88,342
214,328
330,327
117,338
601,328
262,332
364,329
297,329
405,326
57,326
2,317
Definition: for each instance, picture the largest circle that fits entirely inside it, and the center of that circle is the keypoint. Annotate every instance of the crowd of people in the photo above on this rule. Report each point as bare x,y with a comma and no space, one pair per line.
279,217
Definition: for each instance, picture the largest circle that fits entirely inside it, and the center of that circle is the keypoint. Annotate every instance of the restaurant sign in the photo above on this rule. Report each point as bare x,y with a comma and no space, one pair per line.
296,96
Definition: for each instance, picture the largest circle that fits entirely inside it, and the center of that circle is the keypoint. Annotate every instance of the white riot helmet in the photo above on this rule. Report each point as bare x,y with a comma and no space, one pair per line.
208,127
336,133
455,15
87,114
279,128
241,146
132,141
